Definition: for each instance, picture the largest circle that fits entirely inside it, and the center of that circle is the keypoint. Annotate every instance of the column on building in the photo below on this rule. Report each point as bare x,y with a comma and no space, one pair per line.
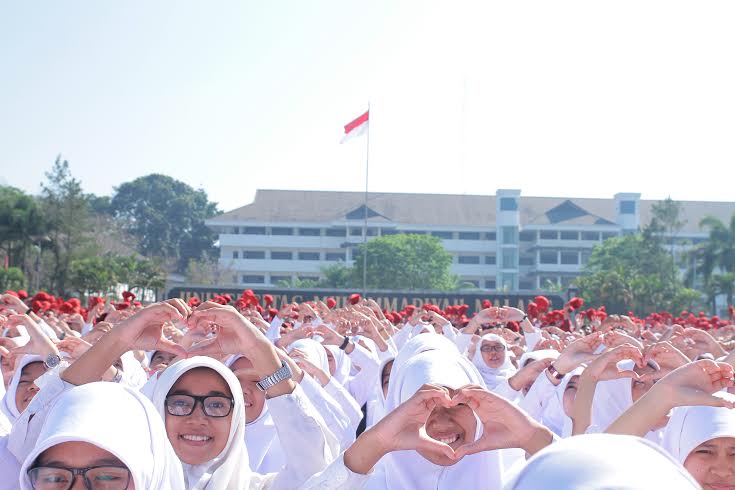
507,225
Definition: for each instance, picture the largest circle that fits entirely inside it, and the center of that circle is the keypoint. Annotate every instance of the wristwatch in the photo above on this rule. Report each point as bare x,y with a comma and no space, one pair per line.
52,360
345,343
284,372
554,373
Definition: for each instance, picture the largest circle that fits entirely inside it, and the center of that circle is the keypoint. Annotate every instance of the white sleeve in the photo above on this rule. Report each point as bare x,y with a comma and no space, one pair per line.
348,403
463,341
538,397
274,331
532,338
361,385
332,412
337,476
504,389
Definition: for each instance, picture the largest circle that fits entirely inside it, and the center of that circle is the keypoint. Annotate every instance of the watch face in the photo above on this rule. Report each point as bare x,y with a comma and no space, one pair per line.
52,361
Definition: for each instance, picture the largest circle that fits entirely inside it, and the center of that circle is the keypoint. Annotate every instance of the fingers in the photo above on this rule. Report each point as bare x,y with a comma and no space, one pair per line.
466,449
179,304
208,347
427,443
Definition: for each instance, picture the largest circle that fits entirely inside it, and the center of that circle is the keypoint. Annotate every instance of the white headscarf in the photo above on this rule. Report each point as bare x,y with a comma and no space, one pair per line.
8,406
376,404
133,373
536,355
446,367
314,351
602,461
689,427
119,420
554,416
493,376
228,471
342,363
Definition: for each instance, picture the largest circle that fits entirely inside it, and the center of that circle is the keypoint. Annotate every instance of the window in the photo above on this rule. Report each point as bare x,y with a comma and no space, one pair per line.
526,260
569,258
236,230
253,279
510,259
570,235
235,254
281,231
491,235
310,232
490,259
340,232
508,204
308,278
548,257
548,281
469,235
254,230
590,235
527,236
414,232
566,281
525,284
334,256
608,234
308,255
470,283
388,231
509,281
627,207
358,232
549,235
253,254
281,255
510,234
586,257
490,283
445,235
468,259
281,279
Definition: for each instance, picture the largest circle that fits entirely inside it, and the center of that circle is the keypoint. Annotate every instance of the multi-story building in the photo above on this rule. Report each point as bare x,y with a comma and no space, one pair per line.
503,242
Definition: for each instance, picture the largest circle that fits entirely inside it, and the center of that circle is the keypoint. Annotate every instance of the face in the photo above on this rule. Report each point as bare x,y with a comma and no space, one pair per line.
79,455
161,360
493,353
254,398
385,377
332,362
26,389
712,464
640,388
454,426
570,393
198,438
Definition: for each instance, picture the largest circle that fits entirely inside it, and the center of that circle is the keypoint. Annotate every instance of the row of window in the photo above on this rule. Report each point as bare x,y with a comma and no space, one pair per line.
278,255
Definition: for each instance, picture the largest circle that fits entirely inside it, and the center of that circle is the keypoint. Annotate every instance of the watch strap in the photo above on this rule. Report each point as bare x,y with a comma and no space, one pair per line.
345,343
554,373
282,373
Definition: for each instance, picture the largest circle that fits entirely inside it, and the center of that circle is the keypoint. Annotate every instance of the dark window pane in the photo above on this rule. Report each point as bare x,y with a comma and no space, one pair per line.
277,279
235,254
547,257
490,283
253,254
527,236
570,235
469,235
548,235
309,231
627,207
508,204
468,259
491,235
569,258
340,232
254,230
281,255
281,231
445,235
526,260
333,256
308,255
590,235
253,279
490,259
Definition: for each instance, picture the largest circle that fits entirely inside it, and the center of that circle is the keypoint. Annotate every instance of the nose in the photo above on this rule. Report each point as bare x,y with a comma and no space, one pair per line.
33,388
78,483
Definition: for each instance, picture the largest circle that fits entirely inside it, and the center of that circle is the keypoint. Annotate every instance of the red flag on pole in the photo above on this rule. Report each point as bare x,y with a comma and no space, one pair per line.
356,128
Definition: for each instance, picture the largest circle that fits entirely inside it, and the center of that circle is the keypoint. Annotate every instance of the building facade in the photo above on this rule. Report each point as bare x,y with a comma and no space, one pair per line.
505,242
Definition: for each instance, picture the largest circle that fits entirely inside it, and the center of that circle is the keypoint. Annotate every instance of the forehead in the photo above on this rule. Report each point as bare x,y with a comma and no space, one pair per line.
491,343
33,369
77,454
200,381
720,442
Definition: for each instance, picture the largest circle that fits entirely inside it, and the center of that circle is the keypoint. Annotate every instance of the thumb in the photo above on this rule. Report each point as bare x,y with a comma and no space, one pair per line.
427,443
714,401
171,347
629,374
208,347
466,449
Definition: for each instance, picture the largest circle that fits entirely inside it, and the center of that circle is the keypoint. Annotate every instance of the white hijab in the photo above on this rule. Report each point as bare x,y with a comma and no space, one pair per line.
554,416
119,420
689,427
8,407
376,404
133,374
536,355
228,471
493,376
314,351
408,469
342,363
602,461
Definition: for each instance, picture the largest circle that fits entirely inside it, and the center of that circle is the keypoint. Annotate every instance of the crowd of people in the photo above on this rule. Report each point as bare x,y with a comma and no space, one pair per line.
240,393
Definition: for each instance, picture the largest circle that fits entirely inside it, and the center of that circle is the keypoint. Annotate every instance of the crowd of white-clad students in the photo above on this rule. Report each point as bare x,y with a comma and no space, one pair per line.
230,395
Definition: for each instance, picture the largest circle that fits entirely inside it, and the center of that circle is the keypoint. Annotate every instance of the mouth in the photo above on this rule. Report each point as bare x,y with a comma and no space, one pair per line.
451,440
248,404
195,439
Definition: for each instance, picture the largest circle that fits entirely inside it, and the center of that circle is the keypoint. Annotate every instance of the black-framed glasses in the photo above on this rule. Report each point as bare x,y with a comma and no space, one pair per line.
492,348
105,477
213,406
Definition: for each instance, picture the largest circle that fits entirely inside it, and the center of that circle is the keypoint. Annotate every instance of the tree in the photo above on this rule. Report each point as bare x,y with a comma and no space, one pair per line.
405,262
21,221
634,272
337,276
167,216
11,278
718,258
667,218
67,213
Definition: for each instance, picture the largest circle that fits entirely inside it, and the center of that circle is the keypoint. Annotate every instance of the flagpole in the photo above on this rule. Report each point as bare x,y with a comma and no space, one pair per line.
365,209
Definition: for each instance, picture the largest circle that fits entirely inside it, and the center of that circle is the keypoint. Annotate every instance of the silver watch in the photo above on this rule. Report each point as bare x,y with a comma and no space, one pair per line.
52,360
284,372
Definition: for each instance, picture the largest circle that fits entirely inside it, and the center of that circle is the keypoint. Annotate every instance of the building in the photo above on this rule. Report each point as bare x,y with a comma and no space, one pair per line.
505,242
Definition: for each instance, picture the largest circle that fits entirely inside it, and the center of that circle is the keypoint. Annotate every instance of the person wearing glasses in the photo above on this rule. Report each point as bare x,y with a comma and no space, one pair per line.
492,360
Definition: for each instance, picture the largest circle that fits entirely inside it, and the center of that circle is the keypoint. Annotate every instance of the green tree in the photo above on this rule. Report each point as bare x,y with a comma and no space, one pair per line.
634,272
67,213
667,218
21,223
167,216
337,276
11,278
717,258
405,262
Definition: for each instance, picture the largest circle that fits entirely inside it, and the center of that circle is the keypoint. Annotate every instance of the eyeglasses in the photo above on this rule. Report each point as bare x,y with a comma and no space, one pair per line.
213,406
492,348
95,477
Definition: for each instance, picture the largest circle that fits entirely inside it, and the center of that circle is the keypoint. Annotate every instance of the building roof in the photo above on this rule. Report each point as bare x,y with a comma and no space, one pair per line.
455,210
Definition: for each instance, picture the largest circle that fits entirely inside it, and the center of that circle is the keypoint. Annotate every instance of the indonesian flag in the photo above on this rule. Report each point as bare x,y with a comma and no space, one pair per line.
358,127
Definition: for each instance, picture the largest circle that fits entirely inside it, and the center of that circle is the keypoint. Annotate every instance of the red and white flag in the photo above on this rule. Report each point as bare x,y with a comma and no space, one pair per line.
358,127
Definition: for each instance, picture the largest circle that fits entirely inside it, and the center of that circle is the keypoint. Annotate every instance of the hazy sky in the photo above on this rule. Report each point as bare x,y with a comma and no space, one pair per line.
582,98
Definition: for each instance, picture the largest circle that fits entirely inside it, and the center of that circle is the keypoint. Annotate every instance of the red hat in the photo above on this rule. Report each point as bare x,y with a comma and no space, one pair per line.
462,309
532,309
128,296
267,299
22,294
513,325
354,299
486,303
409,309
576,303
248,293
194,302
331,302
542,302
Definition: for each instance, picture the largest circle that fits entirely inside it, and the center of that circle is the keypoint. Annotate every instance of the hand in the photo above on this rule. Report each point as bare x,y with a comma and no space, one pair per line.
694,384
74,346
614,338
404,428
330,336
604,367
528,374
505,425
292,336
14,303
488,315
39,344
578,352
666,355
705,341
314,371
144,329
234,334
510,314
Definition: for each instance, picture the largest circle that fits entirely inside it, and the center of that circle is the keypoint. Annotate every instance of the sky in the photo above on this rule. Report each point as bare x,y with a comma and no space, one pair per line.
568,98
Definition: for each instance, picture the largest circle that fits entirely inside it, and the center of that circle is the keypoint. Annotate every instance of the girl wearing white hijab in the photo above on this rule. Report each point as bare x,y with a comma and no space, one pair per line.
107,426
21,390
701,432
492,360
201,401
436,434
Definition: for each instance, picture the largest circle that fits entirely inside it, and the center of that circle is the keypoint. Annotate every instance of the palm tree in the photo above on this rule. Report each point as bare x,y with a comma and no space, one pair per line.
719,253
